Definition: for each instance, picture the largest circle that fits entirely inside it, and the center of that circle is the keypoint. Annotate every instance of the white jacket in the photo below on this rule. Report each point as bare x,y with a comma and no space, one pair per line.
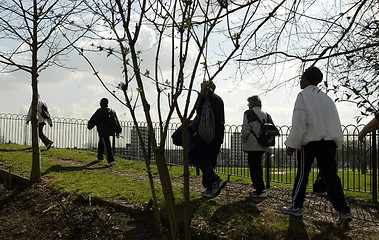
315,117
39,110
249,141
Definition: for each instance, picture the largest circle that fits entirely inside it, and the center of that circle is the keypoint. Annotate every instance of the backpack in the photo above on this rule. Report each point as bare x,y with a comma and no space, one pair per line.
44,111
110,120
206,128
267,133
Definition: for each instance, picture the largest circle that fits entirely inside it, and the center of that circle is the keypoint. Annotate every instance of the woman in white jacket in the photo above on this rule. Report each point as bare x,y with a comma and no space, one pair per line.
250,144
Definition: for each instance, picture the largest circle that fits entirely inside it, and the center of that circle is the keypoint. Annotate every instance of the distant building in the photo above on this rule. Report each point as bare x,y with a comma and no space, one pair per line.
135,145
237,156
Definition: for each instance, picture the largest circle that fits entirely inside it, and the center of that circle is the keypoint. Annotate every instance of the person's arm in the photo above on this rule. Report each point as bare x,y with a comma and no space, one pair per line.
299,120
370,127
29,115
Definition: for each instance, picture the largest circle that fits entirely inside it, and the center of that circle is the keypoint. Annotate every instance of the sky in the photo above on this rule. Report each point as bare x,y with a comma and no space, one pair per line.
76,94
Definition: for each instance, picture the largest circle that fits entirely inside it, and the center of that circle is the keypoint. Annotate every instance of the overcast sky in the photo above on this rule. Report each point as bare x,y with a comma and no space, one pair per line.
76,94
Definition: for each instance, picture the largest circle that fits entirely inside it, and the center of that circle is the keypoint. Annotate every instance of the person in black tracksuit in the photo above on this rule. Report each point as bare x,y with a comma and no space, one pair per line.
99,119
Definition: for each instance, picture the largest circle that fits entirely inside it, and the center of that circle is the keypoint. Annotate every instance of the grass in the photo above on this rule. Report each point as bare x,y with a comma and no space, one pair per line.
64,170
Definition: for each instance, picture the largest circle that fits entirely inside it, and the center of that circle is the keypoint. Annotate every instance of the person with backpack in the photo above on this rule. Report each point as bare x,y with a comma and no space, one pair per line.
316,132
209,146
107,124
43,116
252,127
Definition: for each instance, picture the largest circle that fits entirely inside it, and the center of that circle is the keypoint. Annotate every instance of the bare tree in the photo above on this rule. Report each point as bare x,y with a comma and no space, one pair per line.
31,35
341,37
166,49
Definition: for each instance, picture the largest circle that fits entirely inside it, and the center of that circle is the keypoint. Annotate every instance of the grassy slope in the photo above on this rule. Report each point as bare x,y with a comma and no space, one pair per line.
127,181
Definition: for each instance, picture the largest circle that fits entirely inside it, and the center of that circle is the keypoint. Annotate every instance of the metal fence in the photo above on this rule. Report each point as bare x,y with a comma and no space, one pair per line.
357,161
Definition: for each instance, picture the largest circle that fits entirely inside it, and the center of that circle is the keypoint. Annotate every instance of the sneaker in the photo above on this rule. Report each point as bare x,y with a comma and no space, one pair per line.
344,218
257,194
206,193
215,190
111,163
291,210
49,145
98,160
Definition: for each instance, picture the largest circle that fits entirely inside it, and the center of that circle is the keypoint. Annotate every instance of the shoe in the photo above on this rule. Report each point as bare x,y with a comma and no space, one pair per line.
257,194
49,145
111,163
215,190
344,218
206,193
99,160
291,210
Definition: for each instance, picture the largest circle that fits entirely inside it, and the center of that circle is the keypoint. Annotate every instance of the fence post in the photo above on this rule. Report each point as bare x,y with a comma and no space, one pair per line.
113,144
268,169
374,168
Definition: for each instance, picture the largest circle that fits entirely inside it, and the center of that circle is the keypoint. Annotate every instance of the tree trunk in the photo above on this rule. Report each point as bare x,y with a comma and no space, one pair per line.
187,213
35,176
167,191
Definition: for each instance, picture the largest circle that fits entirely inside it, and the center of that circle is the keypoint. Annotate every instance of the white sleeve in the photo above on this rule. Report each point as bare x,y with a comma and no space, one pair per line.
299,121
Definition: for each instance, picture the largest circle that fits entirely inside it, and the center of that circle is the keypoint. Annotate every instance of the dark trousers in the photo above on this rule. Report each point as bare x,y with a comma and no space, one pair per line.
105,145
325,154
254,159
207,161
41,135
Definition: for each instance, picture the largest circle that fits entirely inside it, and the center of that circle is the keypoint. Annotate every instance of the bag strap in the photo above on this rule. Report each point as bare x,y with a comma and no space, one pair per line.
259,120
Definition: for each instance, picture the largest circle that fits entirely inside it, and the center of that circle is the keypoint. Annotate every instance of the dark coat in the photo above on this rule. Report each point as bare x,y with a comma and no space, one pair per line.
99,119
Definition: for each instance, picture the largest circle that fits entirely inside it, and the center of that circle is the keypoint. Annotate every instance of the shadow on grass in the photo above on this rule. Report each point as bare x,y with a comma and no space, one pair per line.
60,168
329,230
296,229
15,150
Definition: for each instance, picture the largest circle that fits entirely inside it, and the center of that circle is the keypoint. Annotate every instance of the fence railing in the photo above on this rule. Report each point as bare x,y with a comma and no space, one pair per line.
357,162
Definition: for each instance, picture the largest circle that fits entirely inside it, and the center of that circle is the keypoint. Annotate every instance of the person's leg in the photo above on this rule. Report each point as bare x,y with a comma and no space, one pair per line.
305,158
108,149
212,153
42,136
207,164
326,160
100,149
256,172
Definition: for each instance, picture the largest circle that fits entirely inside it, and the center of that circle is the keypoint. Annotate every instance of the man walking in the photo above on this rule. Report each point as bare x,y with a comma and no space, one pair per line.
207,153
316,133
107,124
43,115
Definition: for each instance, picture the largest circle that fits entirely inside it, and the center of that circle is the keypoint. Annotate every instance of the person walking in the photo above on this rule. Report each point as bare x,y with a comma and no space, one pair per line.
316,133
207,153
250,144
107,124
43,116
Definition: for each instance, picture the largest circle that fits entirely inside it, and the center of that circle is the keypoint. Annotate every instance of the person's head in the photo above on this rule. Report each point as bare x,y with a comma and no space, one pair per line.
311,76
208,86
104,102
254,101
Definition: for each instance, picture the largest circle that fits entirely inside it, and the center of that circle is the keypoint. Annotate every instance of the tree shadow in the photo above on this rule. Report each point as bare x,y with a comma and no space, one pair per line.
60,168
296,229
15,150
329,230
